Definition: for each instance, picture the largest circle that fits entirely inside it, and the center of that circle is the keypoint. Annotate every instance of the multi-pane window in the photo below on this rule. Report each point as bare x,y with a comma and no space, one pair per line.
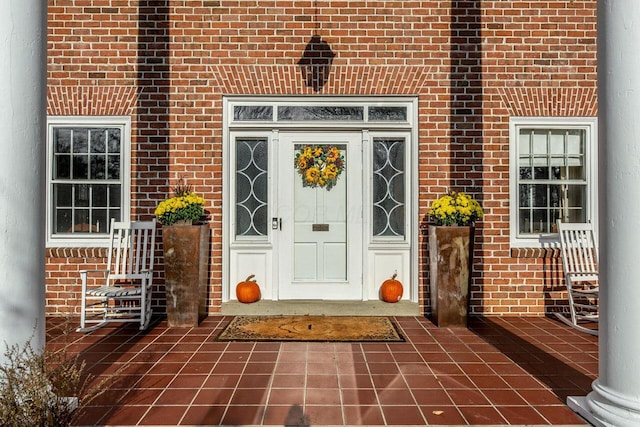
389,187
554,176
251,191
86,178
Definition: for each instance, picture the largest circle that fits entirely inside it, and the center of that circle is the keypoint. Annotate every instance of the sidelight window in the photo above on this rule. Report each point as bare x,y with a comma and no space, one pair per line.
389,187
251,192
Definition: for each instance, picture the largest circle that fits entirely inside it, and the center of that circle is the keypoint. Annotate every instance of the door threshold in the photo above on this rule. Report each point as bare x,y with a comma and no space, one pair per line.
318,308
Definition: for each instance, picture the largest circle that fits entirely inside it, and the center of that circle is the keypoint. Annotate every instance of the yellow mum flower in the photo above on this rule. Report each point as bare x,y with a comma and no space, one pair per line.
187,206
455,209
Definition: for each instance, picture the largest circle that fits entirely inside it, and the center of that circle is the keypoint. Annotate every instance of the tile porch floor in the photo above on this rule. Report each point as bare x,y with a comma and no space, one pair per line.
500,371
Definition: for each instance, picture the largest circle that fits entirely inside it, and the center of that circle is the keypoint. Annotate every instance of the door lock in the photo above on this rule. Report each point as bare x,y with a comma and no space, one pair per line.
276,223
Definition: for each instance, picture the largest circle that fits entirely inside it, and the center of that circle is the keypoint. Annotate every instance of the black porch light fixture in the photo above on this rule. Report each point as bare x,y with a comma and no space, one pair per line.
315,63
316,59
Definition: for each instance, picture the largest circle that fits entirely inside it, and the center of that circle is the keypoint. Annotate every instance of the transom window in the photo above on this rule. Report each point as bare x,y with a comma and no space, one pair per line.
354,113
553,174
87,177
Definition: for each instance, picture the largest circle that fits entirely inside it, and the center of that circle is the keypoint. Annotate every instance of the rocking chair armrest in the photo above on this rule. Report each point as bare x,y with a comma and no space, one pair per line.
147,272
84,275
86,272
582,273
583,276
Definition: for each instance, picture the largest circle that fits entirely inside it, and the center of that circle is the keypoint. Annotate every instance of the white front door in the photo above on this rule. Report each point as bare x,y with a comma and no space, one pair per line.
319,229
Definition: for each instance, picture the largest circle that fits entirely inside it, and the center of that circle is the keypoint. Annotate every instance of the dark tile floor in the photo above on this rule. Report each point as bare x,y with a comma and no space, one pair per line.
500,371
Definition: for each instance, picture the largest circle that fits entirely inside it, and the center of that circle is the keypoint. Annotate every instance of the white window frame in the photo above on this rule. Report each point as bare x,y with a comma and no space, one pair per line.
84,240
590,126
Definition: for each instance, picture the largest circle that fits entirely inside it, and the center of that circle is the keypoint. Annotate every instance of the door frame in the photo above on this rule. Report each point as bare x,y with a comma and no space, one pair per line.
268,126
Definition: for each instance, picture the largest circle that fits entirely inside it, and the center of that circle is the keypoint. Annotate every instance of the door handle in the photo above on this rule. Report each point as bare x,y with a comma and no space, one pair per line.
276,224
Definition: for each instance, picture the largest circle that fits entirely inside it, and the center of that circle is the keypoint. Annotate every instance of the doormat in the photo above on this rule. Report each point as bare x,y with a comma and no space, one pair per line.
311,328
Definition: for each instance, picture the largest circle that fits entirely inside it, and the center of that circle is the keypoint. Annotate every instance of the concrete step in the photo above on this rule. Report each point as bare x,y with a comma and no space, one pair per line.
329,308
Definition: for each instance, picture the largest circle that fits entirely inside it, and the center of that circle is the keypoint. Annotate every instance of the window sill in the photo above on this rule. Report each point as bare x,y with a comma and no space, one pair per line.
535,253
76,252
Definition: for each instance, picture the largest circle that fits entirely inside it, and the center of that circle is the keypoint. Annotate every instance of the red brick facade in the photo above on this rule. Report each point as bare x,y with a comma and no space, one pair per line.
472,65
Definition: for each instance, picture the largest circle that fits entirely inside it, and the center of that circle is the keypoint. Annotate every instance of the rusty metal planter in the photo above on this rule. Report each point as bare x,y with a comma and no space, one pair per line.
186,265
451,257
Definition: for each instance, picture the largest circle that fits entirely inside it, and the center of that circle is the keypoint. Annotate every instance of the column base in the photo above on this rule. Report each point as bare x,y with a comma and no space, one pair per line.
604,408
578,404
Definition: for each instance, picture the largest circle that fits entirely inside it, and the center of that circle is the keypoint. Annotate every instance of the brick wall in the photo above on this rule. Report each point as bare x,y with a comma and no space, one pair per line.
472,65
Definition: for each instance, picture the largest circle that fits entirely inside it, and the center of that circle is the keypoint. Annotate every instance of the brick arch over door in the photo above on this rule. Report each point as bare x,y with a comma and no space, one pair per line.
343,80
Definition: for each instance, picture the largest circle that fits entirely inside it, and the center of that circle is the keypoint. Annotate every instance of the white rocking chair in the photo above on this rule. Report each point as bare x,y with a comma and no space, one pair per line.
122,291
580,265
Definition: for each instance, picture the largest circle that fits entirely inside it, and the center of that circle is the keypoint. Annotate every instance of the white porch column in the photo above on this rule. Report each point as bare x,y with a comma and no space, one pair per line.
615,399
23,35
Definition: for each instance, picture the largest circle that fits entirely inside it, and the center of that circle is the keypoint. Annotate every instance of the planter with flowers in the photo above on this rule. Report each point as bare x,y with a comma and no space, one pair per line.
451,233
185,240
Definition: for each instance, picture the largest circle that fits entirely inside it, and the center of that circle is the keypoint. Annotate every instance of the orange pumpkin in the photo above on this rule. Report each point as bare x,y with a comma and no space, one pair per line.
391,289
248,290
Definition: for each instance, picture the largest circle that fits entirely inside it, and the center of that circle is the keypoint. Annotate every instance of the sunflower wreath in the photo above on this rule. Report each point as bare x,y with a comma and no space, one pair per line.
319,165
